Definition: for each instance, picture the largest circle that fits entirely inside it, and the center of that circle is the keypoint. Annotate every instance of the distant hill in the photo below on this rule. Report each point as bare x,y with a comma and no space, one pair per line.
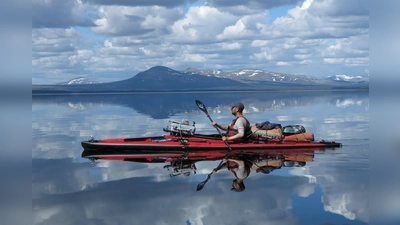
160,78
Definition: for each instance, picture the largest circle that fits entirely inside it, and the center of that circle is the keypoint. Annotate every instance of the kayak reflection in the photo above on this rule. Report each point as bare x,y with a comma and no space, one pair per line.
262,150
240,162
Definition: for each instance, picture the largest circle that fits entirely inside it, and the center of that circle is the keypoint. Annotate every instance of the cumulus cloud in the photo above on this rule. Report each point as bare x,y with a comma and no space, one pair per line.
124,21
59,14
225,35
248,7
54,41
133,199
170,3
282,63
231,46
246,27
199,25
349,198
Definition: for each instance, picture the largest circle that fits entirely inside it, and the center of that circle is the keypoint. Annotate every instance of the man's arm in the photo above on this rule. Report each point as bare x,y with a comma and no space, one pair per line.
223,166
222,127
234,137
238,161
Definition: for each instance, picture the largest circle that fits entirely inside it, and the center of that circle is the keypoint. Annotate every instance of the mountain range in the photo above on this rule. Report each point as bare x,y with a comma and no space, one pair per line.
160,78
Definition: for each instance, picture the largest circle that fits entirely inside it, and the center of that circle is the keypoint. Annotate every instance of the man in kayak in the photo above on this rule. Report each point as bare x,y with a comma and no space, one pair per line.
239,169
240,126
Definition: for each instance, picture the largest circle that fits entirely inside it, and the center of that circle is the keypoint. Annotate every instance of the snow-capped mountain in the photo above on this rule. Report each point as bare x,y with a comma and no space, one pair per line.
78,80
252,76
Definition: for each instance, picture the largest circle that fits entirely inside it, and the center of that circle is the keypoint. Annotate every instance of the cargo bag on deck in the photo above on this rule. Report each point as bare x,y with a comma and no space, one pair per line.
272,133
293,129
299,157
306,136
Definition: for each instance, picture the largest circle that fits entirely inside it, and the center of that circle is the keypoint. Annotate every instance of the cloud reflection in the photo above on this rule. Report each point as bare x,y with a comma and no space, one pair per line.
144,201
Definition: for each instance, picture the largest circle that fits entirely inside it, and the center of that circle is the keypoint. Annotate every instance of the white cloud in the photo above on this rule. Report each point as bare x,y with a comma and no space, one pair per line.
231,46
245,27
193,58
280,63
302,56
82,56
199,25
108,44
306,4
306,61
133,21
259,43
333,60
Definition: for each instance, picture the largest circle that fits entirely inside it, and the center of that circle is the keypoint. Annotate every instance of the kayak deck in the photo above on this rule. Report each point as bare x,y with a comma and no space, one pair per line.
196,143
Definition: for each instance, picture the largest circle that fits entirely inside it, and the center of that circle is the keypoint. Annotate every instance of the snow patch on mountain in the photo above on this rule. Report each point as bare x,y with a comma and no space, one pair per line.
78,80
347,78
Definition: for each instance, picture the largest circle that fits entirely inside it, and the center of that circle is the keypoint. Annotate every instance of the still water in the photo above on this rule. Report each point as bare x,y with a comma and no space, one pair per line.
331,188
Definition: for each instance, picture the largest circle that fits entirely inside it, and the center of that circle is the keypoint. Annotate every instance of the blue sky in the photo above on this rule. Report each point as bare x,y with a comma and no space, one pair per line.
104,40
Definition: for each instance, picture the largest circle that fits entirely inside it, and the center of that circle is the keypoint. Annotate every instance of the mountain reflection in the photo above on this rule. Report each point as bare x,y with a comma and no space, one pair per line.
163,105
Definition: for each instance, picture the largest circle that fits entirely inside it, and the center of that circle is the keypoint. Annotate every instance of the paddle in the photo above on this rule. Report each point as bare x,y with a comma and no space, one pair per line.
203,108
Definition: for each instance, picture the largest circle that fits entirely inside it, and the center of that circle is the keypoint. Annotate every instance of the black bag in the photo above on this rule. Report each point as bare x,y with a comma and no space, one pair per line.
293,129
267,125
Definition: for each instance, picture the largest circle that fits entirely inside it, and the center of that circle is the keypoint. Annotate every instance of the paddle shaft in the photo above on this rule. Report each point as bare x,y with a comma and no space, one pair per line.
204,109
201,185
209,117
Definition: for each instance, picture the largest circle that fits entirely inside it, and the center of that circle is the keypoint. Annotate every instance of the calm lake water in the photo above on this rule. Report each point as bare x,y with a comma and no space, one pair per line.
68,189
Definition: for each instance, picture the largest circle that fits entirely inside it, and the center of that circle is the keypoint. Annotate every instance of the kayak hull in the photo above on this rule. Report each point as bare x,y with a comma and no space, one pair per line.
168,144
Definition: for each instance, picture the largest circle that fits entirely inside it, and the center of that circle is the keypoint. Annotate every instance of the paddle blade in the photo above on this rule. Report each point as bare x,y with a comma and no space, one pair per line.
201,106
201,185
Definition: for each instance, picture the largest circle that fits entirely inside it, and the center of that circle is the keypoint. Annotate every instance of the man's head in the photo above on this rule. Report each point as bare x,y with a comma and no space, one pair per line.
237,186
238,105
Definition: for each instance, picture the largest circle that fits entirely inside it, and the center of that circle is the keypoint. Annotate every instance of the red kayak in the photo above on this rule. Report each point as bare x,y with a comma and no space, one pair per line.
151,148
171,143
182,139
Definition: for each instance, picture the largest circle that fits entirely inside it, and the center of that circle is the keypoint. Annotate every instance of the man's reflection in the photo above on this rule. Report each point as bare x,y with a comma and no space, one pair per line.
263,163
240,170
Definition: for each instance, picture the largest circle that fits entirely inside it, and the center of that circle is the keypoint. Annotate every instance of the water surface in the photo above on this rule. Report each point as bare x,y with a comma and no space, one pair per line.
68,189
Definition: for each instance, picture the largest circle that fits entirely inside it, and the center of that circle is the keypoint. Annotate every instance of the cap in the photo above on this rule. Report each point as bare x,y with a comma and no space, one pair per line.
239,105
241,186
